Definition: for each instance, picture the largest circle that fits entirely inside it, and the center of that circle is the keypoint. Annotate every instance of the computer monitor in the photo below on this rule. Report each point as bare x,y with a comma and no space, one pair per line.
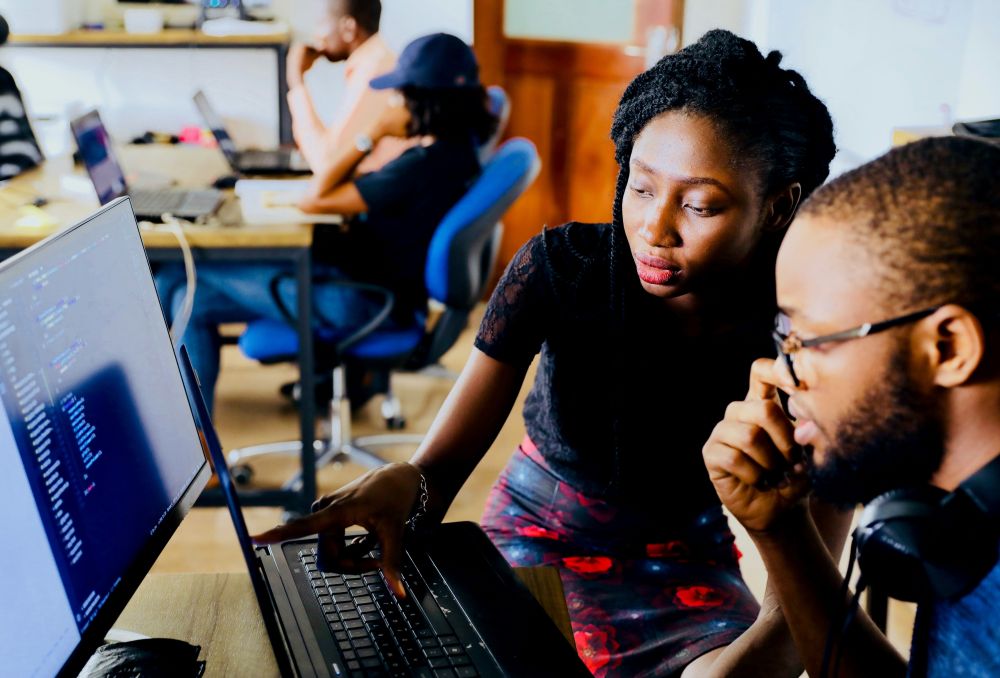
100,457
94,142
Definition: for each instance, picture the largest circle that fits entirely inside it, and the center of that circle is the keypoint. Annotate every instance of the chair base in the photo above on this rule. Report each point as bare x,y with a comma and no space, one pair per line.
340,447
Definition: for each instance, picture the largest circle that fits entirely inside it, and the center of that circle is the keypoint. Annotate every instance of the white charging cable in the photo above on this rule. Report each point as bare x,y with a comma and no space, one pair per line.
183,316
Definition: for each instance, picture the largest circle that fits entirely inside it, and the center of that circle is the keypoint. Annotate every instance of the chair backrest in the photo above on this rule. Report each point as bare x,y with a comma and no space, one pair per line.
499,105
464,247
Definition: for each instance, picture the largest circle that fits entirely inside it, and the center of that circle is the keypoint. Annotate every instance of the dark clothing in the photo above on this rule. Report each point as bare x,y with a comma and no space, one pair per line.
18,148
643,600
623,402
406,199
960,638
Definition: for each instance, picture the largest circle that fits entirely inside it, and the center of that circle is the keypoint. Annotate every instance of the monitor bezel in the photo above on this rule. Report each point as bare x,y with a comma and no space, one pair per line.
74,125
131,579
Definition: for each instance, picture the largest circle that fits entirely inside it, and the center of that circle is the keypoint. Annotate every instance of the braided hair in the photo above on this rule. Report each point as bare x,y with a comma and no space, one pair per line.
767,114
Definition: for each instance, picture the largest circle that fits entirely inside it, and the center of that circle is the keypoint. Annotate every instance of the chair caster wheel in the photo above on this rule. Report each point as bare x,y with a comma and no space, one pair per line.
395,423
242,474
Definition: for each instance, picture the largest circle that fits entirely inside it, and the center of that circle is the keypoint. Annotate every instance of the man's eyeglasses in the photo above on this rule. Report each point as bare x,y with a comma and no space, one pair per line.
789,343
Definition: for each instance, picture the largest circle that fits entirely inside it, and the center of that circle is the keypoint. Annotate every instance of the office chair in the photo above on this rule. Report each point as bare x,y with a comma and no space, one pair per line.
459,265
499,106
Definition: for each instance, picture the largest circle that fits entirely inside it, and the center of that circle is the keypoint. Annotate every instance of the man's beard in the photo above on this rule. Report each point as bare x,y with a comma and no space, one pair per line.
892,439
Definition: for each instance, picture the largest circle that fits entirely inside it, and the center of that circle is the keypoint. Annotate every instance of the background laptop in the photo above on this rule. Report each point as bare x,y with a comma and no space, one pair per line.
109,181
466,613
278,161
99,455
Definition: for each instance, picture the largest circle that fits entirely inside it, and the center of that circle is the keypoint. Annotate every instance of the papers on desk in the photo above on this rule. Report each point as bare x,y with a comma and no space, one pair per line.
275,201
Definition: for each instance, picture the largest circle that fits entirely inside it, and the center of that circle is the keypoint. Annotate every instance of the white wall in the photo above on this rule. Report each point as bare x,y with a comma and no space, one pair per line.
150,89
878,64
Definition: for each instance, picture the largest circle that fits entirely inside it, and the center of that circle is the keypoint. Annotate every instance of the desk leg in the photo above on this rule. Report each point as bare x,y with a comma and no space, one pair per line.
307,403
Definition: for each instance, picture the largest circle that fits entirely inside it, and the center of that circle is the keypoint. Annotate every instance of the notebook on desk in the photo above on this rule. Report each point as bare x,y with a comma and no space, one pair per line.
465,615
106,174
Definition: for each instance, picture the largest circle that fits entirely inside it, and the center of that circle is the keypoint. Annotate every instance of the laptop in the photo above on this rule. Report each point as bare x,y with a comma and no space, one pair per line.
278,161
465,615
109,181
99,454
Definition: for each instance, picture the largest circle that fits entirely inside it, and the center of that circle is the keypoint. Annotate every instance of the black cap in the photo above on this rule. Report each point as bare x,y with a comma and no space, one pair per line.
438,61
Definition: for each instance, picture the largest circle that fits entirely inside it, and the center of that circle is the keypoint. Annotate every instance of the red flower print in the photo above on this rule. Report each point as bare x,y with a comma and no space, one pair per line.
698,596
671,549
597,648
588,564
536,532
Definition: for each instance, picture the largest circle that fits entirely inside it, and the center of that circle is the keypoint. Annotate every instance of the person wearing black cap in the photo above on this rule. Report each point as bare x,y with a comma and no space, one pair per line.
392,212
18,148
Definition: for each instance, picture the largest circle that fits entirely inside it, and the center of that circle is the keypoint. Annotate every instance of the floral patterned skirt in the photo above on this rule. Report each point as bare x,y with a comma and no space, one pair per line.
642,602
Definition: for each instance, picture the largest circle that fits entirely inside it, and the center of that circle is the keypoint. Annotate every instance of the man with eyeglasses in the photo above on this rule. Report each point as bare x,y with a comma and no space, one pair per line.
888,346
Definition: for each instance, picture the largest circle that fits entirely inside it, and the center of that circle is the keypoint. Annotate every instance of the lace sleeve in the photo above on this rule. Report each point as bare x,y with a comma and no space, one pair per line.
516,319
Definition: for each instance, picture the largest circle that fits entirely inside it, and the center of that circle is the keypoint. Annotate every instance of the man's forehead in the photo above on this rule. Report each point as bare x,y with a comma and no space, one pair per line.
824,276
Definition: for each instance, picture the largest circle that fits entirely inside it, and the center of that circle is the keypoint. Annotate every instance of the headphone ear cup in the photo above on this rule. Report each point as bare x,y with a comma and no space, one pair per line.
896,540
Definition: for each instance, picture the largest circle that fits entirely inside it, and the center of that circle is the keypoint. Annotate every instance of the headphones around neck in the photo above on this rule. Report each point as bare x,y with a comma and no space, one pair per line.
917,544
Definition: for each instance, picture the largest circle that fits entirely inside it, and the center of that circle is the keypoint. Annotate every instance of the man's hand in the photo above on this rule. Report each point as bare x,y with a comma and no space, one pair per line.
301,58
752,458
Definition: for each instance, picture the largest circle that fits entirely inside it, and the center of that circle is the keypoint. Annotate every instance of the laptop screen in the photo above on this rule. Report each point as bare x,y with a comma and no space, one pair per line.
95,149
215,124
99,454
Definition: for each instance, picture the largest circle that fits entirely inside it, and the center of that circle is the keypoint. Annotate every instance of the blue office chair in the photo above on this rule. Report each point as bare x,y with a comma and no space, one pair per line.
459,265
499,106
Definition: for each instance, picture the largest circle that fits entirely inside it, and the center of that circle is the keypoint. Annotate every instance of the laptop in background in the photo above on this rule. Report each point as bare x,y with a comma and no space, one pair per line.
465,615
106,174
278,161
99,455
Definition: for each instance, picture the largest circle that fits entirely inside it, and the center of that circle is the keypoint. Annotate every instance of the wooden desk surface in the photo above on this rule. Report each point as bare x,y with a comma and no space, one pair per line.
186,166
168,37
219,612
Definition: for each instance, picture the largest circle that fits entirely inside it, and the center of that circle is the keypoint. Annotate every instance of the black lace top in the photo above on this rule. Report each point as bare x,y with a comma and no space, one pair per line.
623,401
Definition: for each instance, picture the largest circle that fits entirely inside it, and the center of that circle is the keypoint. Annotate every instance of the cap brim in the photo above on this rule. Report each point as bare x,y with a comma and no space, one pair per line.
391,80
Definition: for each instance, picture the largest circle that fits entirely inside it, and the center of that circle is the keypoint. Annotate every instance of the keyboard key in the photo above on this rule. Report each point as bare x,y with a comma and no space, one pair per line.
444,673
453,650
425,632
371,617
334,590
366,652
372,608
354,666
349,614
354,624
344,645
434,652
349,654
461,660
363,600
371,663
335,625
466,672
357,633
355,583
360,643
449,640
427,642
438,662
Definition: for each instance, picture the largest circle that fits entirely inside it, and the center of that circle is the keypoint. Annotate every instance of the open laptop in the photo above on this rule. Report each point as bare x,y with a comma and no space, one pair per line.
466,614
277,161
99,455
109,181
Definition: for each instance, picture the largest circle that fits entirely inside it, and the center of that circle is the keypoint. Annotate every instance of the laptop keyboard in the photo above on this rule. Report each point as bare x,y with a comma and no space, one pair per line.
379,635
175,202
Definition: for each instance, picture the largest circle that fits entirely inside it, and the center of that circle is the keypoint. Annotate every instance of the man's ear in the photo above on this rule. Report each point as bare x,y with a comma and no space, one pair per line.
781,207
954,343
348,29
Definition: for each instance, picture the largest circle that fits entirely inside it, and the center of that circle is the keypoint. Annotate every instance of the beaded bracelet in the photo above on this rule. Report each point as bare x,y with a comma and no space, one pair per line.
420,506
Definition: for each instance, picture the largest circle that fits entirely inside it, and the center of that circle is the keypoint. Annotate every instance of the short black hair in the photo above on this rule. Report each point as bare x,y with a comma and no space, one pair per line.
4,30
367,13
767,112
450,113
927,216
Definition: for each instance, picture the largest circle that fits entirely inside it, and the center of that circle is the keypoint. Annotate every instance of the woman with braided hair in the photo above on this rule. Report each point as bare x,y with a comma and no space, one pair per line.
646,328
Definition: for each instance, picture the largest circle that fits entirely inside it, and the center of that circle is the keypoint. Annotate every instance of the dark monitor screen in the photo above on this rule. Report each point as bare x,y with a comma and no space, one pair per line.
99,453
214,122
94,142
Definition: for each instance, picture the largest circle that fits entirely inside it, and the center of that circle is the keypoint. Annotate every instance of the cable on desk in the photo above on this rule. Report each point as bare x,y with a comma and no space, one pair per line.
176,227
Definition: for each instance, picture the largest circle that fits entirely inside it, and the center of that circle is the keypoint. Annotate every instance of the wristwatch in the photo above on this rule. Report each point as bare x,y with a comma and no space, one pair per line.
364,143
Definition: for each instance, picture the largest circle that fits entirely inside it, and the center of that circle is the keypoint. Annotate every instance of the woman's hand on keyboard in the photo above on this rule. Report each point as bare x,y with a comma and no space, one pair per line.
380,501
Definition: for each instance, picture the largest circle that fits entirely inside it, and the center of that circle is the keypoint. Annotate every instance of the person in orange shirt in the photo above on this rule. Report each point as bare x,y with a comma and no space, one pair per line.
349,34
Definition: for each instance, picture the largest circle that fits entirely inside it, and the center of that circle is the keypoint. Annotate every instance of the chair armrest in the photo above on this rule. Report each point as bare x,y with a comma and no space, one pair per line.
388,300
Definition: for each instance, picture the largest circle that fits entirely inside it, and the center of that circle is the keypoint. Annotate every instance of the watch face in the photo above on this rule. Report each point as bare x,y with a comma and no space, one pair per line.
364,143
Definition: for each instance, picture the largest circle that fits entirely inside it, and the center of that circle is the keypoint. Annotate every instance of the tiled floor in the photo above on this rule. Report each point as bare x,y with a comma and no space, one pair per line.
250,411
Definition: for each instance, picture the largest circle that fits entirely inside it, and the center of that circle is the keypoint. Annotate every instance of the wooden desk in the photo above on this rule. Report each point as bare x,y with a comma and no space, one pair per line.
219,612
223,239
